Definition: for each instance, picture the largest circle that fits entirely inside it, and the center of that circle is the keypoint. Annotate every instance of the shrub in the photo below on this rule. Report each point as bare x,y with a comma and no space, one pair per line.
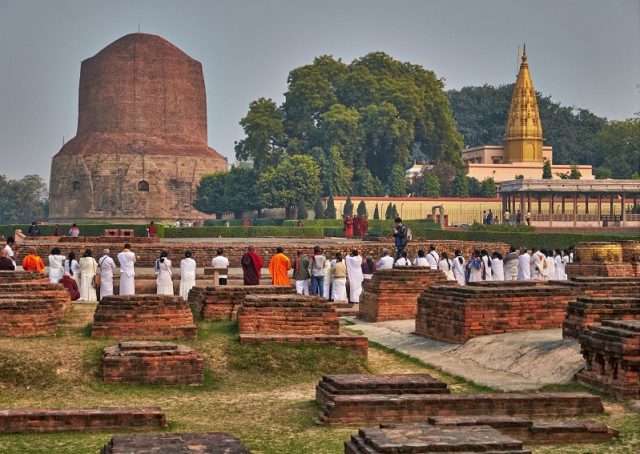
240,232
85,229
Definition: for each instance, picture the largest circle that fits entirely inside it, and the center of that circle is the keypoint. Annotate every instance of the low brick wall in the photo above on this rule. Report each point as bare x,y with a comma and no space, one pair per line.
601,269
36,289
7,277
599,286
119,240
612,353
143,317
159,363
363,384
456,314
210,442
294,319
432,439
222,302
24,314
587,311
393,294
536,432
390,409
83,419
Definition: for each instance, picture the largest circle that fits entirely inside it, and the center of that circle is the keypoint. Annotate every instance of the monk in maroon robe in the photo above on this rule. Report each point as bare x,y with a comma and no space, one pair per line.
251,266
356,226
348,227
364,226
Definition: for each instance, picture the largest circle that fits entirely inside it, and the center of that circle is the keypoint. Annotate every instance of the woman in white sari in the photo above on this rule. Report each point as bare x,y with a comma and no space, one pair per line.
88,268
56,265
446,266
339,279
187,275
107,268
164,275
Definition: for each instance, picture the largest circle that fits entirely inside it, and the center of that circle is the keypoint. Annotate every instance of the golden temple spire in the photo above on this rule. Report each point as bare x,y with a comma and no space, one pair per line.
523,133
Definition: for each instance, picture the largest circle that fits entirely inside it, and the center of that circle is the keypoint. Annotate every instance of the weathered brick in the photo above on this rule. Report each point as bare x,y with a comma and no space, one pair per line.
223,301
176,443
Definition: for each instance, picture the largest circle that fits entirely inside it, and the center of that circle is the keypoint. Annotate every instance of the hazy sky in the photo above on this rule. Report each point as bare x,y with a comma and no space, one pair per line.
584,53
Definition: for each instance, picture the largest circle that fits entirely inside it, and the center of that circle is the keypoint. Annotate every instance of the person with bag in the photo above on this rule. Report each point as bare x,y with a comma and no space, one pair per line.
401,238
88,268
106,267
474,268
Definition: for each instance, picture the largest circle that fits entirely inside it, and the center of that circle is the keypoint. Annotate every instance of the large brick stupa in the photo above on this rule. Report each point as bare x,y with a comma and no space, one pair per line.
141,145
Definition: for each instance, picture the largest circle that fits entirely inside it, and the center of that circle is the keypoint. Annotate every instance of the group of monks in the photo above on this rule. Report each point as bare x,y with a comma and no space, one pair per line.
357,226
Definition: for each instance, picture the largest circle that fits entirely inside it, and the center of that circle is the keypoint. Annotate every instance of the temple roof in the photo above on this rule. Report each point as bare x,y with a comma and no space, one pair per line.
524,117
571,186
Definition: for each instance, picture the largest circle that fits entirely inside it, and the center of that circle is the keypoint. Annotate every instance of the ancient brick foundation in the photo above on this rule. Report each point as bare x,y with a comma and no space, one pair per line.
36,289
293,319
456,314
222,302
432,439
7,277
389,384
84,419
587,311
23,314
177,443
612,354
393,409
600,269
143,317
393,294
536,432
598,286
159,363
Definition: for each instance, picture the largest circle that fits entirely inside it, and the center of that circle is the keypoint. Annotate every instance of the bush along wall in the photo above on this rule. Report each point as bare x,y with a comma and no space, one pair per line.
85,229
240,232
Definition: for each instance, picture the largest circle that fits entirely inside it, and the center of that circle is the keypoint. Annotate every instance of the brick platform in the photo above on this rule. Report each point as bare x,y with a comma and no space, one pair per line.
19,276
143,317
23,315
293,319
362,384
587,311
159,363
83,419
222,302
612,353
37,288
427,439
393,294
178,443
456,314
599,286
393,409
600,269
536,432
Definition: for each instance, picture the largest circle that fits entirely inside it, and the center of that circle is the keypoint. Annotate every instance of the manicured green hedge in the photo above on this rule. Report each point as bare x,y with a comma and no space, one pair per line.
85,229
240,232
514,228
238,222
372,223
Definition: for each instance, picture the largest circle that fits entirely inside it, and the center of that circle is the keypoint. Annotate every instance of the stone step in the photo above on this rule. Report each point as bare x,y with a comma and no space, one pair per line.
176,443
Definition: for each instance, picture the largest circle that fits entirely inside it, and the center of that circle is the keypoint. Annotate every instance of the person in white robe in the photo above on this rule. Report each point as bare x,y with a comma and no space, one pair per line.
497,267
107,269
474,268
549,271
511,265
524,265
537,264
354,271
164,275
187,275
557,259
486,265
56,265
458,267
403,260
72,267
327,278
567,258
127,260
339,279
421,261
386,261
446,266
88,268
432,257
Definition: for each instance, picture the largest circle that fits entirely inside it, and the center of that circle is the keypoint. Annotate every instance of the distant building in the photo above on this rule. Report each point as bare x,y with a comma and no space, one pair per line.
522,152
415,171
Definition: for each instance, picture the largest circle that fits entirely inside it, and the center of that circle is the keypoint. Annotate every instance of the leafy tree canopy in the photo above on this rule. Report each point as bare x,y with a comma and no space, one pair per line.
348,207
228,192
431,185
396,184
330,212
23,201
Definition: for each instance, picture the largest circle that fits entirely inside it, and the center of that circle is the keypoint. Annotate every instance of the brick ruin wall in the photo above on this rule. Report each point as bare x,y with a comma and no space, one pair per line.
175,443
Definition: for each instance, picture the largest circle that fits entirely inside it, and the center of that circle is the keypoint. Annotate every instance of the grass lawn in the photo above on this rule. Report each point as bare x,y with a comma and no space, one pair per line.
262,394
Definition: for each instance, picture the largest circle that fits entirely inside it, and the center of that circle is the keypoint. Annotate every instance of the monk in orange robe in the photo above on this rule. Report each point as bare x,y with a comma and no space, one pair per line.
279,266
32,262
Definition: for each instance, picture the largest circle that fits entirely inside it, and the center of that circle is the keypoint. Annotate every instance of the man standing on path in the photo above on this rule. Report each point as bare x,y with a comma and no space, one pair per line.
279,266
251,266
400,235
316,270
301,273
127,260
354,271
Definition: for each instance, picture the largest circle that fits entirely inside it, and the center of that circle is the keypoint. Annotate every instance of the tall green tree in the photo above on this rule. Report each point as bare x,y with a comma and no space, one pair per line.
618,146
460,185
301,212
445,172
546,170
376,213
431,185
265,139
334,175
397,184
234,192
488,188
318,209
293,180
364,184
340,127
24,200
330,212
362,209
475,187
575,174
348,207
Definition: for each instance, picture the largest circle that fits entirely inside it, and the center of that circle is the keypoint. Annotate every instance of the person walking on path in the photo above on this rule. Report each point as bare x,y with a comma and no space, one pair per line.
107,268
88,268
316,271
187,275
353,263
127,260
301,274
279,267
252,265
